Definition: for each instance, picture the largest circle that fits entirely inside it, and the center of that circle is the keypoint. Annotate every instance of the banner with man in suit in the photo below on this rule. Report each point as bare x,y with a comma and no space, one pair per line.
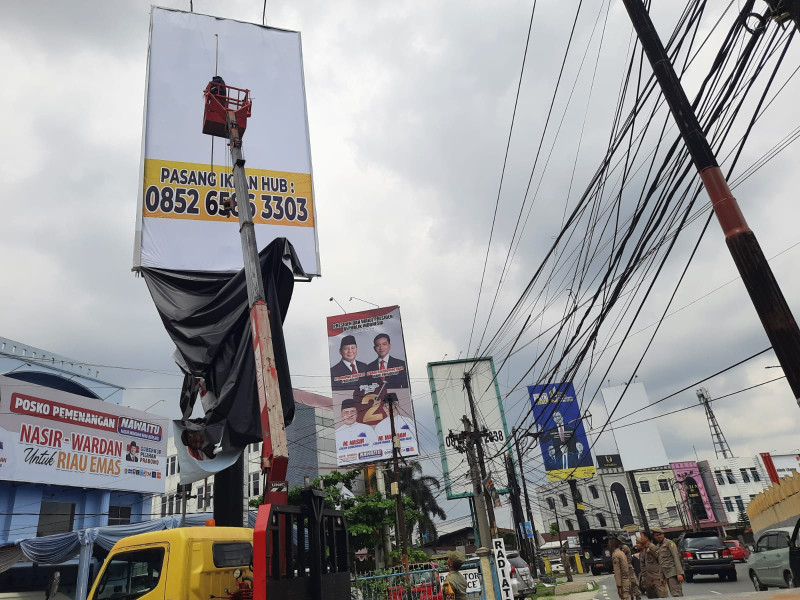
368,361
557,416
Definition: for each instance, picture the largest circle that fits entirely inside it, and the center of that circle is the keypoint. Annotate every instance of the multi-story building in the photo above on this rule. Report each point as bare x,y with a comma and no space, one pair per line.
31,508
660,499
312,452
734,481
599,496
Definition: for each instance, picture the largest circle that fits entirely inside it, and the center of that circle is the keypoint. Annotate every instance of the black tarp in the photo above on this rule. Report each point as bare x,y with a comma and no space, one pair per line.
207,316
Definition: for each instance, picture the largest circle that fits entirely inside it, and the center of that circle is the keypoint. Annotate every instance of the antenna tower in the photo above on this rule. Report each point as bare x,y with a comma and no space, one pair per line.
720,443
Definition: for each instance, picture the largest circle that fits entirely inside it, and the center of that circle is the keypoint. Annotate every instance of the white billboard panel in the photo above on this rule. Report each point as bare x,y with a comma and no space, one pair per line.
50,436
180,223
634,408
450,404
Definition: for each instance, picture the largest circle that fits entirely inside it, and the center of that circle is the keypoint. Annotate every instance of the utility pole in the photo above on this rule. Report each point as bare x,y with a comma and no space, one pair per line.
401,517
776,317
577,501
515,435
561,552
481,458
386,547
525,545
465,442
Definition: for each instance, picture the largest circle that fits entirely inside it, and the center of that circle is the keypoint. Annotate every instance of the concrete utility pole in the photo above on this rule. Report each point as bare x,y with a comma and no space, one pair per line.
528,510
776,317
401,517
481,457
465,442
386,547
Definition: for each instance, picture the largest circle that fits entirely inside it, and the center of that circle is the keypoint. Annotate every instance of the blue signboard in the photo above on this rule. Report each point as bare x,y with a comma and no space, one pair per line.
562,438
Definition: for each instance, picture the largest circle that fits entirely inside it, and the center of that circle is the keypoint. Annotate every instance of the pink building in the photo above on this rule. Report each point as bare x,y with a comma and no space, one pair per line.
695,497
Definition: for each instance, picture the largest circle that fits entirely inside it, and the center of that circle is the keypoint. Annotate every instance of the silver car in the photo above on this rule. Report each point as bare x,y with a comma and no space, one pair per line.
522,583
769,562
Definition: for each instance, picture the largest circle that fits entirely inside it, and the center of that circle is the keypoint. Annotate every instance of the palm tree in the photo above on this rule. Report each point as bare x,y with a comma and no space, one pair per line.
420,488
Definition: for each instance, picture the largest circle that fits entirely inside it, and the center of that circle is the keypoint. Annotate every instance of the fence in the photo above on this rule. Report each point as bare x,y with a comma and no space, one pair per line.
420,582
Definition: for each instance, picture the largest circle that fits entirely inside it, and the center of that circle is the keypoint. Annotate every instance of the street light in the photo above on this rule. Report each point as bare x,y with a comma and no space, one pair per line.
152,405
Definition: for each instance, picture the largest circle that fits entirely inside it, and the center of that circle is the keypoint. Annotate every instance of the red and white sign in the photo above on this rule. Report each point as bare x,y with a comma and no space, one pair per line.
50,436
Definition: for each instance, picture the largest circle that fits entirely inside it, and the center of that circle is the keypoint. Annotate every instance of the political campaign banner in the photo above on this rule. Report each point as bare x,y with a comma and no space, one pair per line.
53,437
368,362
450,404
562,438
186,176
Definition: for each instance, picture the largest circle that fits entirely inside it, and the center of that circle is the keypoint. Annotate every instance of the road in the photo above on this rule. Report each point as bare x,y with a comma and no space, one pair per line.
705,585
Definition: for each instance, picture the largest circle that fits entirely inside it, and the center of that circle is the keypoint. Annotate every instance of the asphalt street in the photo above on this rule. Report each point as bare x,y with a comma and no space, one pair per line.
706,587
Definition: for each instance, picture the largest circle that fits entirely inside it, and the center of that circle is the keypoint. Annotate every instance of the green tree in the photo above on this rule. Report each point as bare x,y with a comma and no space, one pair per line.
743,520
554,529
419,489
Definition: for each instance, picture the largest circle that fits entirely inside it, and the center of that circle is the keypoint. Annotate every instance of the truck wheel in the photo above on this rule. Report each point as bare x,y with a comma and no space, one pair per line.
760,587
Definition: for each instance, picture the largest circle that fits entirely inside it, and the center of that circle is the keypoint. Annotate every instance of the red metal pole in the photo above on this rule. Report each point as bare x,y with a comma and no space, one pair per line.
772,308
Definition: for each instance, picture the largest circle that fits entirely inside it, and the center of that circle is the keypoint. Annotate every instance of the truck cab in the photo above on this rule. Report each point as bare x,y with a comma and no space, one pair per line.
194,563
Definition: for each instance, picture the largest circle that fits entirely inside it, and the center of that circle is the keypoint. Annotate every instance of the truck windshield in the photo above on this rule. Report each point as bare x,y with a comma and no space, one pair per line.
129,575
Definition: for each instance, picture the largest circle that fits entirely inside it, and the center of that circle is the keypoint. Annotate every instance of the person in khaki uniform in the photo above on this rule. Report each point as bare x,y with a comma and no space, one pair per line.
636,593
670,560
622,571
652,580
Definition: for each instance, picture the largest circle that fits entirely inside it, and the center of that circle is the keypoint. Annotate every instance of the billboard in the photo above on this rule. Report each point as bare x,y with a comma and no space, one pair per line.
562,438
368,361
181,222
631,423
53,437
450,404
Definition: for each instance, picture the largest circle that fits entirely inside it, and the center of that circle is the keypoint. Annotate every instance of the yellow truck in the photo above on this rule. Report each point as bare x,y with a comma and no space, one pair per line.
194,563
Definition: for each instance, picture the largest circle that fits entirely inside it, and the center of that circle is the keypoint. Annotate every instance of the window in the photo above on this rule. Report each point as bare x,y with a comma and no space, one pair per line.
170,504
178,498
55,517
551,503
763,543
728,504
253,447
663,484
745,476
131,575
200,497
754,474
163,506
739,503
255,480
752,496
231,554
718,475
171,462
593,492
644,485
652,513
601,520
729,475
672,512
563,500
569,525
119,515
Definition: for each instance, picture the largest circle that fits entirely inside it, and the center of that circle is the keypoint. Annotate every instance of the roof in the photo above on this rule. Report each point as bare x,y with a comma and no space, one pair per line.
182,535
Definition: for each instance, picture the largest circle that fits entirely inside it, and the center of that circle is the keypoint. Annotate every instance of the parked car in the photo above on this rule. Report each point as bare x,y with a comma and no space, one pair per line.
738,550
522,582
769,564
704,553
556,566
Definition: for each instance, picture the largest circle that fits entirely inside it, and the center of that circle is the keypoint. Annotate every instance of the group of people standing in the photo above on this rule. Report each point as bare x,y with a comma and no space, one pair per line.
653,569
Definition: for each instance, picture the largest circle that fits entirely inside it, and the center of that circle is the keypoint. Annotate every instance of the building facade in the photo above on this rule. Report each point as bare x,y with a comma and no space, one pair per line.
36,509
735,482
312,452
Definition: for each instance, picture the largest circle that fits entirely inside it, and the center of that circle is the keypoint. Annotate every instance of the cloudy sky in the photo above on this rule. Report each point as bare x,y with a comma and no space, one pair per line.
409,108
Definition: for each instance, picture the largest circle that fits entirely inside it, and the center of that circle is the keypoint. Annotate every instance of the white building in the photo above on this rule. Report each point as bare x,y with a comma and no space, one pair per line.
737,481
312,452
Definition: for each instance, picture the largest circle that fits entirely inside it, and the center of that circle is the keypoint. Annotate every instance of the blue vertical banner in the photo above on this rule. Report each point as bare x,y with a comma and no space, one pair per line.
562,438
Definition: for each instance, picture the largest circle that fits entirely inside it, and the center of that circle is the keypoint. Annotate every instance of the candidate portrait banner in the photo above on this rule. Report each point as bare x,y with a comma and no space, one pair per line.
368,361
562,438
54,437
182,223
